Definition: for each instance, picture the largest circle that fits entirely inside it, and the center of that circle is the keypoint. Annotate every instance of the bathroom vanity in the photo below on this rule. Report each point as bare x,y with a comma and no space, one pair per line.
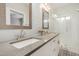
49,48
47,45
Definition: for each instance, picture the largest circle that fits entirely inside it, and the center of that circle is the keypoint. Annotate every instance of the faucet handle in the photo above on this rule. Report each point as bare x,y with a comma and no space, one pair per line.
17,37
23,34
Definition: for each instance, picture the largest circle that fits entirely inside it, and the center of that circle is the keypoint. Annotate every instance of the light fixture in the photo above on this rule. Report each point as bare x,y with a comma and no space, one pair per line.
45,6
45,3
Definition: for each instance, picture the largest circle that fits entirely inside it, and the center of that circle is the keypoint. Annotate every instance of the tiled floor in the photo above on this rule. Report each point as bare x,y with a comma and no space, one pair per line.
63,52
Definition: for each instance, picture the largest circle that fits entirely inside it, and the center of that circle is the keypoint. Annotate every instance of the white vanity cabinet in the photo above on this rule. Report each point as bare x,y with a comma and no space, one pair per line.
55,46
49,49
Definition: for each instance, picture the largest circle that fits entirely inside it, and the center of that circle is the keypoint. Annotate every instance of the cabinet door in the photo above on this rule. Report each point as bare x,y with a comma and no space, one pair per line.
49,49
55,47
44,50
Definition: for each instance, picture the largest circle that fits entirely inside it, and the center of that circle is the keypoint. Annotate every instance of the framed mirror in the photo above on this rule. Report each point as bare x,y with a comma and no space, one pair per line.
45,19
16,15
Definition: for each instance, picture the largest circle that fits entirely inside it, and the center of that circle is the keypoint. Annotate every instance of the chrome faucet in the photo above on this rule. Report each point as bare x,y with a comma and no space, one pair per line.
22,34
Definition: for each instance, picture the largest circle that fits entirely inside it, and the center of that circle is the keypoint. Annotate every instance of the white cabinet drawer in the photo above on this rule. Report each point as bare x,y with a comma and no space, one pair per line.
55,47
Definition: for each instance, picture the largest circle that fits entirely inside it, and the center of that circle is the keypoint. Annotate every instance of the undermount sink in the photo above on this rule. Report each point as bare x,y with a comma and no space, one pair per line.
24,43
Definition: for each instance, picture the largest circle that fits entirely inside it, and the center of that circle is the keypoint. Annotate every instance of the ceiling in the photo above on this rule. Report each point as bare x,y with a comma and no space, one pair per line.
60,5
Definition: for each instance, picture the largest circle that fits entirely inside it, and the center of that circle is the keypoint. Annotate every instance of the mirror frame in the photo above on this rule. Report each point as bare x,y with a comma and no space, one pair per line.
44,19
4,26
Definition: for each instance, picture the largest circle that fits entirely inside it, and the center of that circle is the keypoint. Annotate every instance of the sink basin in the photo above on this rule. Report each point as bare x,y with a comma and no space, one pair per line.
24,43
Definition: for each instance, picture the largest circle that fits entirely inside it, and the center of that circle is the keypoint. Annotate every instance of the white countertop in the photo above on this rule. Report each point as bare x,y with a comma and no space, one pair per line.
6,49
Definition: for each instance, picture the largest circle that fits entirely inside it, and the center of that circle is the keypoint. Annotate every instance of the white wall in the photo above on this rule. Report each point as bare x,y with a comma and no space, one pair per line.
68,29
9,34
